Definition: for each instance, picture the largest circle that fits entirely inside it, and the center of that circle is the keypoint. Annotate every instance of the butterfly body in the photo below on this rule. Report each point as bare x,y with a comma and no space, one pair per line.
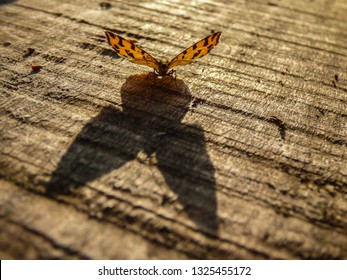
163,67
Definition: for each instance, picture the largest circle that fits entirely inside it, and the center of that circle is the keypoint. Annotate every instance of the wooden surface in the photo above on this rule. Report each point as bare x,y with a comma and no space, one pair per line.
243,156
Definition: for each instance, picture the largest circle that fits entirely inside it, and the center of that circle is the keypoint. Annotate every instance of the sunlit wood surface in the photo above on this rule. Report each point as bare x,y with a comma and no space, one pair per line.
242,156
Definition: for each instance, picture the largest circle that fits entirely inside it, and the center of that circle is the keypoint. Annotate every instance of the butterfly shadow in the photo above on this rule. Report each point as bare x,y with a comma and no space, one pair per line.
149,122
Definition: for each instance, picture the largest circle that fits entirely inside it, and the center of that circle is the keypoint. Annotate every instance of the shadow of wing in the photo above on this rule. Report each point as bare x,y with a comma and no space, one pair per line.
100,147
180,149
189,172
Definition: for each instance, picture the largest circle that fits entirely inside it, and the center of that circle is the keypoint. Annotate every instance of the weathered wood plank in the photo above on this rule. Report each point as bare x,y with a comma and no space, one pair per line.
93,152
34,234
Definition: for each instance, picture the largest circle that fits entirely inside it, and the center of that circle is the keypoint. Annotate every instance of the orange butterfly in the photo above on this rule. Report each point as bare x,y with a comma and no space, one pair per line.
127,48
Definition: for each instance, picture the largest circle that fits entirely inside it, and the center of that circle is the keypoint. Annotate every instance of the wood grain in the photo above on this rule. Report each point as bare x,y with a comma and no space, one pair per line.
243,156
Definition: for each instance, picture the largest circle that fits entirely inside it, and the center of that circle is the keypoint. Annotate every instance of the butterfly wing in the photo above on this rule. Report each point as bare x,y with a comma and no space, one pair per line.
199,49
128,49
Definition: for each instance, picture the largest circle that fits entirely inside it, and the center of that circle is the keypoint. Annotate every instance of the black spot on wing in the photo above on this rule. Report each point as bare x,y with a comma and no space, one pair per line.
111,34
133,47
196,54
215,34
130,53
107,37
217,40
206,42
184,54
194,47
120,41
